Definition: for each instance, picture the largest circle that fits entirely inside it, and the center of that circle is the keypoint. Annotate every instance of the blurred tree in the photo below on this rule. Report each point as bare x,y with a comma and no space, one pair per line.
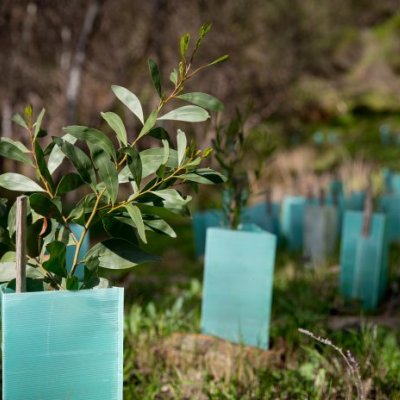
289,57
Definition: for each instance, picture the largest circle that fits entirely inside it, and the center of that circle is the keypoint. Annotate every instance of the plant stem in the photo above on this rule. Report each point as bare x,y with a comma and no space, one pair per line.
45,183
173,175
85,229
69,229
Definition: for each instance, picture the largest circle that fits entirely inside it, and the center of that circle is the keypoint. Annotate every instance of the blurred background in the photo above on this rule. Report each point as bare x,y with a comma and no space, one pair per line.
323,76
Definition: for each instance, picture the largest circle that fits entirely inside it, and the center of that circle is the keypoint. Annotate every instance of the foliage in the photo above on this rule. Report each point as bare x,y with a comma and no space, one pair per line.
99,169
232,150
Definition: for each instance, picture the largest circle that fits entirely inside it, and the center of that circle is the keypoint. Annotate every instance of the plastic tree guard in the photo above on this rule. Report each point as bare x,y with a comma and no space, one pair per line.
200,222
63,345
336,188
390,206
320,232
355,201
265,216
238,277
293,221
396,184
364,259
387,176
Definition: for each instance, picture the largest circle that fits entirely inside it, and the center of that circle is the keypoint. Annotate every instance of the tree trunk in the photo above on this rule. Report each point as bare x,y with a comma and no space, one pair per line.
75,74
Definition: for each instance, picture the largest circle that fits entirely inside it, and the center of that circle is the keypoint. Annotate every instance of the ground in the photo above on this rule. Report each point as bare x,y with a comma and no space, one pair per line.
166,357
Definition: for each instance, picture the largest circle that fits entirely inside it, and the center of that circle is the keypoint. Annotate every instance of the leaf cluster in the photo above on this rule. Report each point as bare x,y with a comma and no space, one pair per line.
98,169
233,145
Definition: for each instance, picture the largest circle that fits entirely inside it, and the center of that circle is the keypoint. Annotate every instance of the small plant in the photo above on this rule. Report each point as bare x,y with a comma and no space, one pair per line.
99,172
352,366
232,149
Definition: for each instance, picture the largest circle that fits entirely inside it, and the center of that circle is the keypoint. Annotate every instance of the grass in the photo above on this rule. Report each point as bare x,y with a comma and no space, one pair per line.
165,359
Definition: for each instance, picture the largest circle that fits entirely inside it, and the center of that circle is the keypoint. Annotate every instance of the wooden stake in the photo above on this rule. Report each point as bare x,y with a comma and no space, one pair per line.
322,197
268,199
367,210
20,285
309,194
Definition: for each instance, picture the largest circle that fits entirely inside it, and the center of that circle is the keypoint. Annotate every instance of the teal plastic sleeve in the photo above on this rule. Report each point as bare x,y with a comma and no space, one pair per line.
63,345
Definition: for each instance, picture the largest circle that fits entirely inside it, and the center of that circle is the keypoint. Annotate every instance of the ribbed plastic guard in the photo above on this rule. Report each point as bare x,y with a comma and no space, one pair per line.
336,188
364,259
293,221
266,216
390,206
396,184
355,201
320,232
238,277
63,345
200,222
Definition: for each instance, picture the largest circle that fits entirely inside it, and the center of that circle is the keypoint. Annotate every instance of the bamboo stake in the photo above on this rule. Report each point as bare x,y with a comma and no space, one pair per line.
20,285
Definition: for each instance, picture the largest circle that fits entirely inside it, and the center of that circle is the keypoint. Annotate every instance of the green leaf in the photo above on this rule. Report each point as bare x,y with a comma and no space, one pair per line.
170,195
160,226
130,100
160,134
20,145
203,100
57,156
184,44
7,271
181,146
78,158
153,158
56,263
150,121
19,183
68,183
34,241
166,152
44,206
155,76
72,283
136,217
92,136
120,227
28,112
9,256
219,60
173,201
187,114
134,164
103,283
205,176
84,206
13,151
5,238
117,254
173,77
38,123
11,220
194,163
204,29
20,121
42,166
116,124
107,171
